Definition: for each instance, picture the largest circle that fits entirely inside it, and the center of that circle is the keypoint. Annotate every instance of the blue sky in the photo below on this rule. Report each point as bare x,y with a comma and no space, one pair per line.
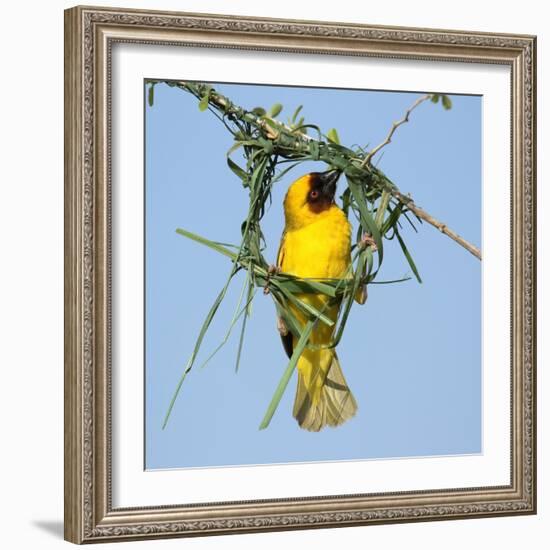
411,355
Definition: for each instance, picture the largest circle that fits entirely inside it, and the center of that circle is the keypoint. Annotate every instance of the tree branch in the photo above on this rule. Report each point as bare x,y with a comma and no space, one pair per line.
394,127
294,144
422,214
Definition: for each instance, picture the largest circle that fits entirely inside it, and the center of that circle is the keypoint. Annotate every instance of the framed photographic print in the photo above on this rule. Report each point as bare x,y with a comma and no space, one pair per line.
300,274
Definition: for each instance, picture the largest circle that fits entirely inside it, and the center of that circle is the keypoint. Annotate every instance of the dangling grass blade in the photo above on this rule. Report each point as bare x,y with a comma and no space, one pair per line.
281,174
307,308
366,217
346,201
410,221
236,316
391,220
304,334
234,147
211,312
211,244
258,173
301,344
249,298
237,170
392,281
204,329
362,262
408,256
382,206
306,286
284,311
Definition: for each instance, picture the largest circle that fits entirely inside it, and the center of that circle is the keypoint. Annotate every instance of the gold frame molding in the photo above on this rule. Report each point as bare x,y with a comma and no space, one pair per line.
89,36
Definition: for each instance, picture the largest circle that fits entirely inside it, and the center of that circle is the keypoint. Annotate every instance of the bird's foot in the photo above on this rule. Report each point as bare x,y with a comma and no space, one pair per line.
281,326
367,241
271,270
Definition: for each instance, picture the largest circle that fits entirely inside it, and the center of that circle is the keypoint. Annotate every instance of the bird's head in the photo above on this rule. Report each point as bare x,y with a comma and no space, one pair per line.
309,197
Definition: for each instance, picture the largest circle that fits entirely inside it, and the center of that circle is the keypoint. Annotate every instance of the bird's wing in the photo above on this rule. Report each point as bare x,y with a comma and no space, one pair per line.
281,252
286,337
288,343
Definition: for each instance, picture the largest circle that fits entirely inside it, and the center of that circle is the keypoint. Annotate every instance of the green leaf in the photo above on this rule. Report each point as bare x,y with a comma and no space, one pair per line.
314,149
267,145
210,244
446,102
435,98
191,361
346,199
236,169
382,206
390,282
234,147
203,103
151,94
392,219
406,214
281,174
301,344
367,221
258,111
333,136
258,173
304,306
296,113
284,311
275,110
247,312
236,316
306,286
363,267
409,257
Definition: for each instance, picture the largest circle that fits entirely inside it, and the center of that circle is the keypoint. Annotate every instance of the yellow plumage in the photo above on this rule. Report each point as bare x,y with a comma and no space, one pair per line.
316,243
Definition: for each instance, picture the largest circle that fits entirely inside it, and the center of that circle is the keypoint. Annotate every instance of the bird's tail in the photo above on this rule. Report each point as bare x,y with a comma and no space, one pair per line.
323,397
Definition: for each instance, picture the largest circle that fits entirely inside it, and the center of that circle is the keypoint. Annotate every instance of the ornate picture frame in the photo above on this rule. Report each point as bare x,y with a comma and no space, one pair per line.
90,34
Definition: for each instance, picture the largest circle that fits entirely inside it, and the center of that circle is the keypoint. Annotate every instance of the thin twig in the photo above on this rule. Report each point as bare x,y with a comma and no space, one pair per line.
422,214
394,127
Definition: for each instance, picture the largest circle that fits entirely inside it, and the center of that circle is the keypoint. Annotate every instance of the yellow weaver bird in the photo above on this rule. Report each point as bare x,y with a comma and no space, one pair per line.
316,243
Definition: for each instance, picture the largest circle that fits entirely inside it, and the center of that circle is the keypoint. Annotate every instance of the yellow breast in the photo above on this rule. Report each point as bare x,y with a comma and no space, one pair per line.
318,250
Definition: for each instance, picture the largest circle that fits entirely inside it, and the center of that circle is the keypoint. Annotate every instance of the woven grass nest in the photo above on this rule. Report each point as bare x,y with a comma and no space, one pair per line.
270,150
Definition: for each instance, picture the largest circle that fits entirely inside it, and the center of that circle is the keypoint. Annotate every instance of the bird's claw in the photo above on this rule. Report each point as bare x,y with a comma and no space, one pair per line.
367,241
271,270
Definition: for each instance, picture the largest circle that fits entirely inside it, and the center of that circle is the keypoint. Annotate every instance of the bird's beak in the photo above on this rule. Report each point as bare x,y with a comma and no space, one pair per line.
328,182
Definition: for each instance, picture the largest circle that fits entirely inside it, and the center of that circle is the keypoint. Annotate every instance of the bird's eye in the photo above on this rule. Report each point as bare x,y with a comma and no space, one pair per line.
314,194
